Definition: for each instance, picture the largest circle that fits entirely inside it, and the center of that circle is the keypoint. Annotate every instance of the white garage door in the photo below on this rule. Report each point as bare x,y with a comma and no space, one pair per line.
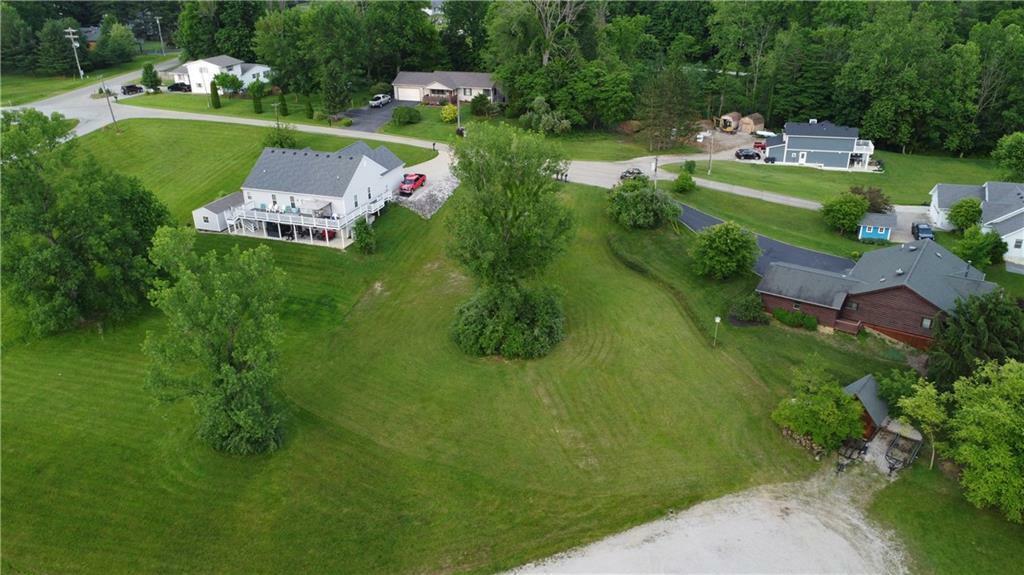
410,94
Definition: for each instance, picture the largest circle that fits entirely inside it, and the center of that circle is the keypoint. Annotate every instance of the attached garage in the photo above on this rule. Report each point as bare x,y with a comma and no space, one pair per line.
408,93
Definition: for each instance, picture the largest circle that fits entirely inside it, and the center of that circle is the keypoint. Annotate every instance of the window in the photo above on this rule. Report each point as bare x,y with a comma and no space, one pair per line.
467,91
487,92
291,200
881,230
1017,244
926,322
250,195
202,70
368,196
199,84
356,198
273,197
852,305
796,306
870,229
206,220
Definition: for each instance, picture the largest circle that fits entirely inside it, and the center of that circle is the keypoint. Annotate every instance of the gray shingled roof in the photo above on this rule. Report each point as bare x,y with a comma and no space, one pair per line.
453,80
927,268
865,389
827,129
1009,225
310,172
223,60
949,194
887,220
227,202
805,284
775,140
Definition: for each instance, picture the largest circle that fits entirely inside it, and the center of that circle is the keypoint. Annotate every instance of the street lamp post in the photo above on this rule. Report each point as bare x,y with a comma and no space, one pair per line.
72,34
161,32
711,149
654,169
718,320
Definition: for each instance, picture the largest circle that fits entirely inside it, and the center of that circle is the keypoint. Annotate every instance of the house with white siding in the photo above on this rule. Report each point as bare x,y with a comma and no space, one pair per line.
307,195
199,73
1002,211
441,86
821,145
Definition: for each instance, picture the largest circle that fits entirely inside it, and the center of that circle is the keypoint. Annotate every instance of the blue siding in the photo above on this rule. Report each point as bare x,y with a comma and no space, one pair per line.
876,233
811,143
777,152
827,159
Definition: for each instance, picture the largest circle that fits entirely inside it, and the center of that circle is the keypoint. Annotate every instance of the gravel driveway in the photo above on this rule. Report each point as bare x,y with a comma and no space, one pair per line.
771,250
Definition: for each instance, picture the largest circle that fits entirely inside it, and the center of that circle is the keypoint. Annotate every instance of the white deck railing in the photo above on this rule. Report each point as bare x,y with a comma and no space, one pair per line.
864,147
250,212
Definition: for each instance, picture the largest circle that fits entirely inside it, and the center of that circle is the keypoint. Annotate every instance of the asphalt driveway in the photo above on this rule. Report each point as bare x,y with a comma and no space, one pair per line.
367,119
771,250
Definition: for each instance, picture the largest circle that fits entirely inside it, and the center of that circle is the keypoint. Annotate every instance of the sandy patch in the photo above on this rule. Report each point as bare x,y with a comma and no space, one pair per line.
813,526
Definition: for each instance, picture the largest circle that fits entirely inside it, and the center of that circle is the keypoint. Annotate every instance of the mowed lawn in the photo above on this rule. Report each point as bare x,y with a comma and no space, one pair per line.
190,163
579,145
907,178
233,107
943,531
17,89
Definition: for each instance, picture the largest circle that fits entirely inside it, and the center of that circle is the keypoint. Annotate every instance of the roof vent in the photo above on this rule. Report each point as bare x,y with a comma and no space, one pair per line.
812,121
881,279
913,248
938,255
899,271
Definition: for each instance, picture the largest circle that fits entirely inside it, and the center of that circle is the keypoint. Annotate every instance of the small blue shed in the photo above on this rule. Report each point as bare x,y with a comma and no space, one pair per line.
876,226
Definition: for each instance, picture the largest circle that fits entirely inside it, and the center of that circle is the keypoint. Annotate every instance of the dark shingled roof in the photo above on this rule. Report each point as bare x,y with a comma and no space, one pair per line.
949,194
450,79
310,172
775,140
229,201
887,220
823,129
223,60
865,389
928,269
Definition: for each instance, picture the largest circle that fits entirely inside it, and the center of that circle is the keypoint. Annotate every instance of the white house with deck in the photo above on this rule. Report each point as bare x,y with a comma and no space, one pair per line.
306,195
1002,211
199,73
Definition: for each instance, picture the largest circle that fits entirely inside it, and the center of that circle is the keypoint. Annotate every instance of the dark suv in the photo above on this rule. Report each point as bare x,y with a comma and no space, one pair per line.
129,89
922,231
747,154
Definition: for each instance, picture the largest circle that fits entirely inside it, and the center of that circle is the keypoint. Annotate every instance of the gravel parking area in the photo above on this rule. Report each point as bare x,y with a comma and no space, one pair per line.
428,199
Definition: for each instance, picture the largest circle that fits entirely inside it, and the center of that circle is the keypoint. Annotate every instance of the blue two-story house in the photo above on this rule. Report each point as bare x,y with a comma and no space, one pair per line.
876,226
821,145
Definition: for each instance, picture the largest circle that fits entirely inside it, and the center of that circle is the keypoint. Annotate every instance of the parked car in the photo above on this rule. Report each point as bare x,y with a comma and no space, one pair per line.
747,154
760,145
129,89
631,173
318,234
411,183
380,100
179,87
922,231
769,160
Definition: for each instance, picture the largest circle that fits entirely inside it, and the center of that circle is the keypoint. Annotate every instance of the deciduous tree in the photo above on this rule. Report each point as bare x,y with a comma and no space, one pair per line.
724,250
220,346
924,409
150,78
965,213
228,82
980,328
844,212
819,408
1009,153
636,204
464,34
980,248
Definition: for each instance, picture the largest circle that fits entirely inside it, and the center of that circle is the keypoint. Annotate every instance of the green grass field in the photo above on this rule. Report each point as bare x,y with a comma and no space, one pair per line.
175,156
583,145
907,178
403,455
234,107
17,89
943,532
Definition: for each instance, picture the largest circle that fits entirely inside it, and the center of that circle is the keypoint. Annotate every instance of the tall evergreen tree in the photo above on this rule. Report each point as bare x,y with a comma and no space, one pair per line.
55,55
17,42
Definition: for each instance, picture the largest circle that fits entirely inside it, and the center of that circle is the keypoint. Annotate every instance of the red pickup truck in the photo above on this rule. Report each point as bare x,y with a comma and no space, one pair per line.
759,145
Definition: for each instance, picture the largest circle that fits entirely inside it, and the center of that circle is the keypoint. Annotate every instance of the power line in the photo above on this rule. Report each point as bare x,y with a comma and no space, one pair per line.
72,34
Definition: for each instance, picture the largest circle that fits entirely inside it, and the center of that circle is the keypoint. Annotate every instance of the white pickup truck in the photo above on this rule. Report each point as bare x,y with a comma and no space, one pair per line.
380,100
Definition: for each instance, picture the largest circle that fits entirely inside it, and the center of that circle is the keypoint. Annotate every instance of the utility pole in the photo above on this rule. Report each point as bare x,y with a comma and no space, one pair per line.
161,32
72,34
711,149
106,93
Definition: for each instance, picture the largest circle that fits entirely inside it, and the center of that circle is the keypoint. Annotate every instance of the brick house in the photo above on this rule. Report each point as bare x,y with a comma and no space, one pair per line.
898,291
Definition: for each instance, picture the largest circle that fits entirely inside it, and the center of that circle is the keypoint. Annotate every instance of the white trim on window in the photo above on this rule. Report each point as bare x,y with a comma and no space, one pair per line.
926,322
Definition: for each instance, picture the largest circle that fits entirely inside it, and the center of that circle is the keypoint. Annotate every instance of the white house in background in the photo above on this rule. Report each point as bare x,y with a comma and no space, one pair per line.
312,196
1002,211
198,73
437,87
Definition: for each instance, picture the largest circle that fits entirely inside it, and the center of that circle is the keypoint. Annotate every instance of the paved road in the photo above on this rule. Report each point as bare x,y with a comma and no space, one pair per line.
367,119
771,250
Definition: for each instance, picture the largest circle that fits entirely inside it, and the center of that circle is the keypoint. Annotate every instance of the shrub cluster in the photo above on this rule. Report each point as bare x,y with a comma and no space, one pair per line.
366,237
750,309
380,88
511,322
480,105
795,318
403,116
449,113
684,184
636,204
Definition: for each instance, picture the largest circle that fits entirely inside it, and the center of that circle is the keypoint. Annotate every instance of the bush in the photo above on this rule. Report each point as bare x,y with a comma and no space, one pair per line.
541,118
309,109
150,78
684,184
380,88
980,248
366,237
403,116
257,105
449,113
895,386
320,116
965,213
511,322
1009,152
795,318
480,105
749,308
281,136
636,204
819,409
844,211
724,250
214,95
282,104
878,203
344,122
690,167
